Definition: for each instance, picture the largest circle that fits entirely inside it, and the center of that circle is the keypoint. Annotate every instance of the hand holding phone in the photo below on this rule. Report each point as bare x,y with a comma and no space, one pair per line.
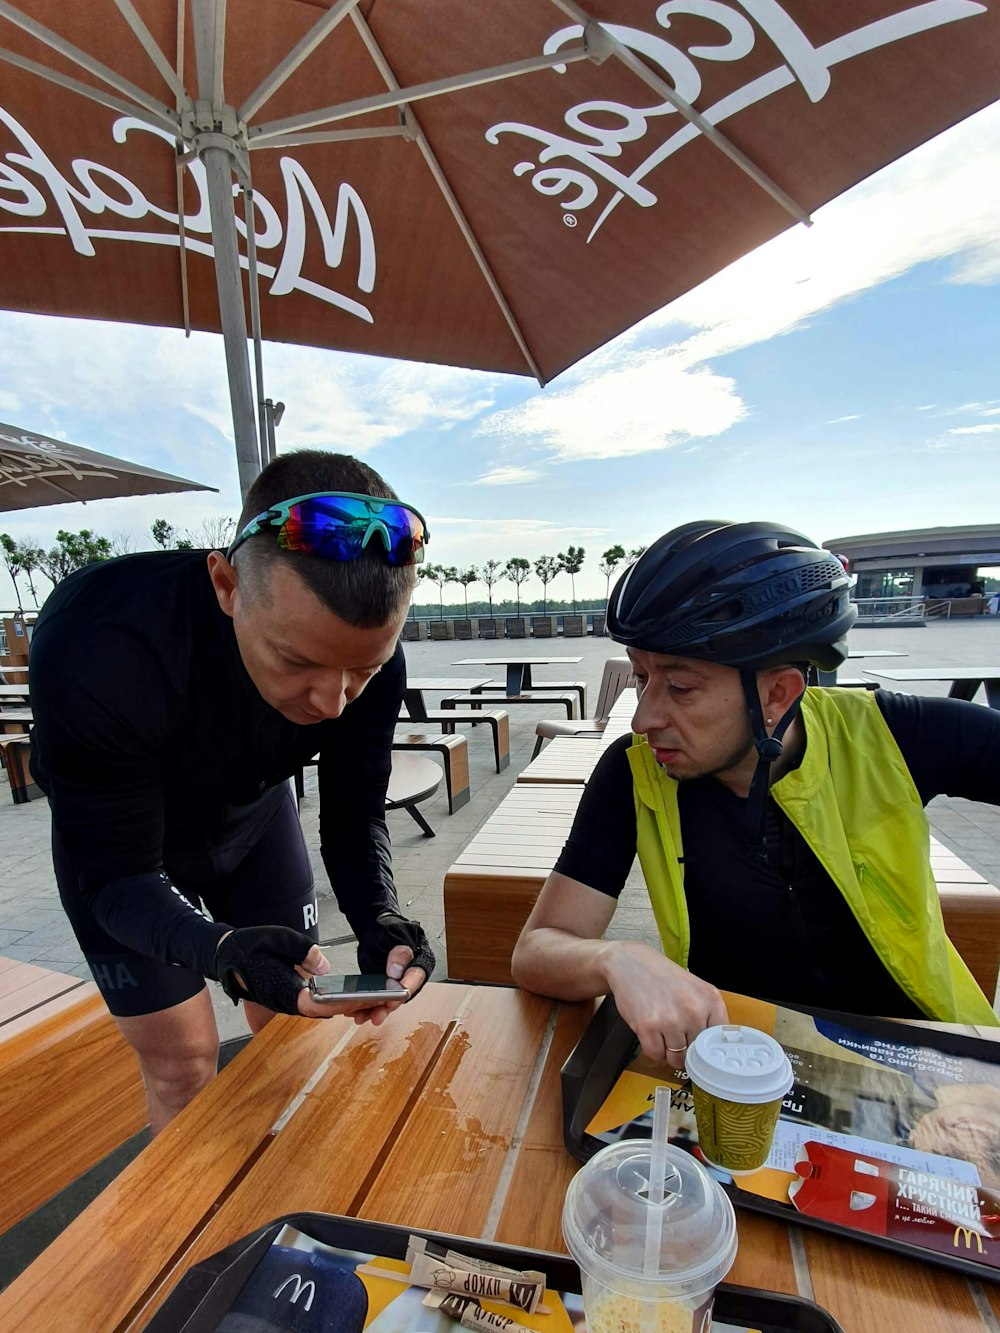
356,992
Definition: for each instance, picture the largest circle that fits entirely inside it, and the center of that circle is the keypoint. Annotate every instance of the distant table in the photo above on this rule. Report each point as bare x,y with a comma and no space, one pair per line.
965,681
830,677
518,668
413,695
875,652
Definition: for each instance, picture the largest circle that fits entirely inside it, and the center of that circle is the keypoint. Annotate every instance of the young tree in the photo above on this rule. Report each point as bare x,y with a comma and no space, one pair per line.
215,534
572,562
122,543
29,562
465,577
165,536
610,561
517,569
547,567
9,552
491,572
636,552
439,574
163,533
72,551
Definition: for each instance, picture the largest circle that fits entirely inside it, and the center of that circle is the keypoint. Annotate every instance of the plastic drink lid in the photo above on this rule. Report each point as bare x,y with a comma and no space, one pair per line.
738,1064
606,1217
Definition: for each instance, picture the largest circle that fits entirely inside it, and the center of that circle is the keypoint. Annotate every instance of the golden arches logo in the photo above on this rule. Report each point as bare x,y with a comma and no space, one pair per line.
969,1235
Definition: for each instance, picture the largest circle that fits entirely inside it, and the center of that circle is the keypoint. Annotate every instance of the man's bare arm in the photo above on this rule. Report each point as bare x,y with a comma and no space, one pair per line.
562,953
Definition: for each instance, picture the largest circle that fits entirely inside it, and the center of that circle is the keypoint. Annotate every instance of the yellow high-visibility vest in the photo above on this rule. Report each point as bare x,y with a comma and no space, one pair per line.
856,805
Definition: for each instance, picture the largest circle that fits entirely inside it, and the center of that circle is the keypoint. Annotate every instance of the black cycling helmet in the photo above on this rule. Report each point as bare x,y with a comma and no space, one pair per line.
748,595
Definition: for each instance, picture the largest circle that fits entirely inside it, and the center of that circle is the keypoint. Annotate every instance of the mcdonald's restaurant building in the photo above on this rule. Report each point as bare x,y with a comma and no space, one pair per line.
951,565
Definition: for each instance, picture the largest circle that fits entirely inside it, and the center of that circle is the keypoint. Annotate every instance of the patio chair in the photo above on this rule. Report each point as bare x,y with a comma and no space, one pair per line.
617,676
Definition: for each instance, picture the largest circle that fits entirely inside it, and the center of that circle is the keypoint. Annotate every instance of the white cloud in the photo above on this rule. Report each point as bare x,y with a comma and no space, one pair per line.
927,407
853,416
990,428
940,201
652,403
508,476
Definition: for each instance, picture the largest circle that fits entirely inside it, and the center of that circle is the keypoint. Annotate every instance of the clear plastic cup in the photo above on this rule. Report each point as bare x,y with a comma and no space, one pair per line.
607,1223
739,1077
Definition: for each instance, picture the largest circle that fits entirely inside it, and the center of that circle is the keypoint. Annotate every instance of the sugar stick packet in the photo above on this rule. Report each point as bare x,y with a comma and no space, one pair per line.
470,1314
432,1265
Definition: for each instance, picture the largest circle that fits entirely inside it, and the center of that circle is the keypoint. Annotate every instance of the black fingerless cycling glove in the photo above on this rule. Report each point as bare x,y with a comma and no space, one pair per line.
258,963
384,933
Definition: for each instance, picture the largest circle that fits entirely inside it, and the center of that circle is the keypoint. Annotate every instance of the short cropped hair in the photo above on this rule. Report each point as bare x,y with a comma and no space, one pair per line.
367,592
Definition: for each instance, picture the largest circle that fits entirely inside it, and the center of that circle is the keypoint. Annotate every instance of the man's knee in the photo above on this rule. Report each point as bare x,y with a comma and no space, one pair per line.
175,1078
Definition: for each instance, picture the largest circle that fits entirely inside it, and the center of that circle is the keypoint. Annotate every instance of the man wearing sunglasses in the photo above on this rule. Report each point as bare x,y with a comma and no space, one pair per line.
175,693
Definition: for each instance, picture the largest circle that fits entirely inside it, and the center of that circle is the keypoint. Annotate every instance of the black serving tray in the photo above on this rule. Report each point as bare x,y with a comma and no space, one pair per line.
206,1292
608,1046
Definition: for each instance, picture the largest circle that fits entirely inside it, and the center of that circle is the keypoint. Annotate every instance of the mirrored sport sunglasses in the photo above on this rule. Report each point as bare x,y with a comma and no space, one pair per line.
338,525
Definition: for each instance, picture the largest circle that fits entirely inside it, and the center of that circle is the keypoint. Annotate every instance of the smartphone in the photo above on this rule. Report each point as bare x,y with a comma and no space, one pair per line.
363,990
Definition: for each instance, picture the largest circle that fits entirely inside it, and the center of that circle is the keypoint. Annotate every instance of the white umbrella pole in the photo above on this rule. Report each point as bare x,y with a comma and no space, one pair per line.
232,314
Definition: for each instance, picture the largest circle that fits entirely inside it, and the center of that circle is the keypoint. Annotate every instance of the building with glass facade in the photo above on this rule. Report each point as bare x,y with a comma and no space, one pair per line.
934,564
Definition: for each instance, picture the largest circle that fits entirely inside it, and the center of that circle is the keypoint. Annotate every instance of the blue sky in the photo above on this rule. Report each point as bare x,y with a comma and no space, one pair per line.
841,379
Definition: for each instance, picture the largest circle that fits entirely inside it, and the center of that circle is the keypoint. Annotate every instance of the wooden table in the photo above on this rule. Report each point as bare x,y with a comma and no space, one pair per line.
965,681
518,669
448,1117
413,695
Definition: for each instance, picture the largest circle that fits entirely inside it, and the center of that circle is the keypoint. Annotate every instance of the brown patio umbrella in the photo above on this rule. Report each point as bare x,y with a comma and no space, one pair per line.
36,470
503,185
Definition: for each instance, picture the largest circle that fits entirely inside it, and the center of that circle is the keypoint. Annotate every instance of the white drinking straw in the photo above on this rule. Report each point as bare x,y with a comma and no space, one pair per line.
657,1179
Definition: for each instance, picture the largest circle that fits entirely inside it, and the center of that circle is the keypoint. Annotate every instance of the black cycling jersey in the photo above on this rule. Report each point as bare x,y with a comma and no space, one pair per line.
162,763
781,929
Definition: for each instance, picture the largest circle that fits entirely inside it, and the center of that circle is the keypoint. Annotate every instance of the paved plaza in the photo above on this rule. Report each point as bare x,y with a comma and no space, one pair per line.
34,929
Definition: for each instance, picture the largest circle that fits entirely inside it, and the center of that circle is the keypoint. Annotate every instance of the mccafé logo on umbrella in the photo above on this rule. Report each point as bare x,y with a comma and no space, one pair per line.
32,186
582,167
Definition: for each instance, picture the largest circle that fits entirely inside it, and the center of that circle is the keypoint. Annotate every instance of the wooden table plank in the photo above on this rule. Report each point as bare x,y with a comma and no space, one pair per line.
108,1256
340,1130
443,1169
532,1210
871,1292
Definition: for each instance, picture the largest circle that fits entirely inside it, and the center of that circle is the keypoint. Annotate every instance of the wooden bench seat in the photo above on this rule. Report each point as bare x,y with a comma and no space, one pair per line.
454,753
539,698
496,719
490,890
70,1089
15,751
561,686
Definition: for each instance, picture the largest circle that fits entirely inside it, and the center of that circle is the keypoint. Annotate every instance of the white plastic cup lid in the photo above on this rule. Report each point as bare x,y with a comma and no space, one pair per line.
606,1216
738,1064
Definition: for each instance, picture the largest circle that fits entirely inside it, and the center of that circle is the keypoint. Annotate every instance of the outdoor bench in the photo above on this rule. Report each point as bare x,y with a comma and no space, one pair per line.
70,1088
490,890
454,754
495,718
540,698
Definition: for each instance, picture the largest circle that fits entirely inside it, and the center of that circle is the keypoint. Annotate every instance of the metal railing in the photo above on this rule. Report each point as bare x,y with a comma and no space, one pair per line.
891,610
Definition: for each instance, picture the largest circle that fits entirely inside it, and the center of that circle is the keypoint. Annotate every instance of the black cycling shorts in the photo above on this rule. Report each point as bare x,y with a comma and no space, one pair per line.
272,885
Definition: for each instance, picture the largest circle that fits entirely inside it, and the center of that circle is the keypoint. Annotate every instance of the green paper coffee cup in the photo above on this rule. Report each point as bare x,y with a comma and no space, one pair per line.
739,1078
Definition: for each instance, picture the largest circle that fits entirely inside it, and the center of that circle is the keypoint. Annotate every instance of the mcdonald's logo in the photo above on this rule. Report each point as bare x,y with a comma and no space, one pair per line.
310,1289
969,1235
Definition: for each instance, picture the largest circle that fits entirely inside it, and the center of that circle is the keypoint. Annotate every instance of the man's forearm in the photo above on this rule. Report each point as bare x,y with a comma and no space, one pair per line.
359,864
148,914
565,966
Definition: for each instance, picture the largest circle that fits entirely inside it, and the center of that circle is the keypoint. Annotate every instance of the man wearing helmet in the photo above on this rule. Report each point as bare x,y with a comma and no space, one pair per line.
780,829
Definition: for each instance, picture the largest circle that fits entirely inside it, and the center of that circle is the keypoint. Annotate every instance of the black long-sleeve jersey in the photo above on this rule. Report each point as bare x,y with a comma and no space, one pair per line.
779,928
161,761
